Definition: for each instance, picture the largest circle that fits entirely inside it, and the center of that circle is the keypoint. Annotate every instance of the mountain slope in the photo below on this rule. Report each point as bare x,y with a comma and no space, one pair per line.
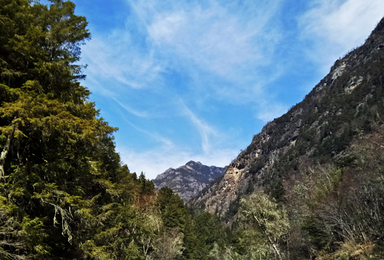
188,179
322,161
345,105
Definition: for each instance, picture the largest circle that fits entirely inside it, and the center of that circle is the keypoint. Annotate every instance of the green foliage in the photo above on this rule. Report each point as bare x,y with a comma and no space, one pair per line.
34,235
169,246
240,241
277,189
64,193
326,184
317,234
205,237
173,211
256,166
233,208
268,219
146,186
265,214
190,241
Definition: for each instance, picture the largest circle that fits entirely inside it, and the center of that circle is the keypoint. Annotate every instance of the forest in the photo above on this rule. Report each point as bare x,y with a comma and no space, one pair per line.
64,193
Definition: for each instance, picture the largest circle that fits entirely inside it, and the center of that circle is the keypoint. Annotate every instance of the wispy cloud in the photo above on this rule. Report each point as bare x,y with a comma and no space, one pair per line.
206,132
121,61
333,27
211,39
165,142
221,49
131,110
222,46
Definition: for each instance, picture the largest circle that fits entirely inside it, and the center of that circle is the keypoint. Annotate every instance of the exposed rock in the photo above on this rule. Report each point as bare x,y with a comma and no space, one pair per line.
188,180
338,71
320,124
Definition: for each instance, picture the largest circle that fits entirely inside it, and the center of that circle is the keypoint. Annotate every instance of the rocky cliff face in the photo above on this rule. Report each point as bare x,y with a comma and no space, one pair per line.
344,106
189,179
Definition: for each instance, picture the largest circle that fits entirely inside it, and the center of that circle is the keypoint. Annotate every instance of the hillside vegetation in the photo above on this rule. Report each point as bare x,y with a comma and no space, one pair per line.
321,162
309,186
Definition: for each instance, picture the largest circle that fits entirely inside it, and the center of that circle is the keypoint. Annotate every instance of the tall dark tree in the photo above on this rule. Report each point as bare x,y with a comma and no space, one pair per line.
173,211
64,194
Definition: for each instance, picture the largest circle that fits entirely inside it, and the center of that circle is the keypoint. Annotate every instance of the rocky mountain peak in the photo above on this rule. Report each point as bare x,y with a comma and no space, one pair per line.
189,179
194,164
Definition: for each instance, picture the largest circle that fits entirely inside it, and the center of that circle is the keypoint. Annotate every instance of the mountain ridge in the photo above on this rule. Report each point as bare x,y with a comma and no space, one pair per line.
189,179
350,87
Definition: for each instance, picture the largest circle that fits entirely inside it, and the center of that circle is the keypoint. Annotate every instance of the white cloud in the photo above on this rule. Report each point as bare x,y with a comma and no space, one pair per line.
213,37
221,45
206,38
118,59
334,27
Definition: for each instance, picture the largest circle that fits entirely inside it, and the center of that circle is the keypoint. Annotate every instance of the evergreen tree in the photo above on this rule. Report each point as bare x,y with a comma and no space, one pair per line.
173,211
64,194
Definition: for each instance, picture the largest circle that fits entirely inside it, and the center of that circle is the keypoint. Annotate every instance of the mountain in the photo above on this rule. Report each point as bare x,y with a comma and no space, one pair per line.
322,161
188,179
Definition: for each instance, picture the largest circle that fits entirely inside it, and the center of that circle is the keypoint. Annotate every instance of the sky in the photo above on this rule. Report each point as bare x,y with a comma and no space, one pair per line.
197,79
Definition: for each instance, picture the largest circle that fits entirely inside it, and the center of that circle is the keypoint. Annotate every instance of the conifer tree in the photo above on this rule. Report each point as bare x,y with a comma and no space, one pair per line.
63,192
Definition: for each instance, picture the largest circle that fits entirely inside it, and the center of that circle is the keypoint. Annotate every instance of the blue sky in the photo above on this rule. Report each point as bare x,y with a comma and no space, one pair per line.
195,80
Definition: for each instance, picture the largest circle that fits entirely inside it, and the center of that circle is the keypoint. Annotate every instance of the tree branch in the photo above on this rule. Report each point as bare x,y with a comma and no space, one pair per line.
4,153
269,238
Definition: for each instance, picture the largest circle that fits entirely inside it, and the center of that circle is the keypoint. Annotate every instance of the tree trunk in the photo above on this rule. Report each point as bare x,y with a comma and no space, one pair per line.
269,238
4,153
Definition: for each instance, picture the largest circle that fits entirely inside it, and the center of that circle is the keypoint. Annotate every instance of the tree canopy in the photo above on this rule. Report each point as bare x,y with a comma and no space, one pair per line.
64,193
